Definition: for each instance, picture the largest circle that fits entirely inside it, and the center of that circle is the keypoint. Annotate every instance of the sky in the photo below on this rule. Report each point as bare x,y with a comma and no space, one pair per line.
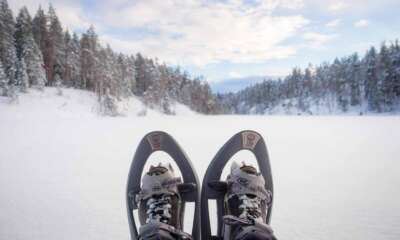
225,39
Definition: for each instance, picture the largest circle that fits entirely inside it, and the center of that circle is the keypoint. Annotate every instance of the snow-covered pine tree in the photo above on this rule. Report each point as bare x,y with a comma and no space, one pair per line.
208,99
113,72
3,81
22,76
7,89
142,74
395,58
8,54
27,49
317,88
342,87
131,73
124,75
102,75
183,95
109,105
175,82
186,96
165,89
307,88
386,74
371,81
73,61
56,46
40,32
167,105
107,87
353,77
152,96
67,65
88,59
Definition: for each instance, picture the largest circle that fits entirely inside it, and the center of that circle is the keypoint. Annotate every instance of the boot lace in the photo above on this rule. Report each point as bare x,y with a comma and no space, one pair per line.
250,207
159,208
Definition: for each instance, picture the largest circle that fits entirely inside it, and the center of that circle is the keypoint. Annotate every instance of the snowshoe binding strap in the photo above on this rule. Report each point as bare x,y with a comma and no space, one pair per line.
162,231
258,231
158,180
236,228
245,180
243,229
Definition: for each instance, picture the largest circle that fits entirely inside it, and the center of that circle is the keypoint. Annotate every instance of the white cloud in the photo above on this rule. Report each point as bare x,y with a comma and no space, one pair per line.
235,74
337,6
193,32
316,40
361,23
72,18
332,24
190,31
289,4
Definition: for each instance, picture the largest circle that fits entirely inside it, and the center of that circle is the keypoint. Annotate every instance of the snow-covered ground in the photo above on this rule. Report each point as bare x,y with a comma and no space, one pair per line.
63,168
74,103
324,107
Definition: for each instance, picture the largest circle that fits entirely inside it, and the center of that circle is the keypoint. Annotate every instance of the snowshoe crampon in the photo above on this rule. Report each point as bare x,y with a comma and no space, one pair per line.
187,190
214,188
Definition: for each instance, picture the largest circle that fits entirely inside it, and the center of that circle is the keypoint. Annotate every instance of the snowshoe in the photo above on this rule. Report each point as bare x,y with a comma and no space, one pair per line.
160,197
244,200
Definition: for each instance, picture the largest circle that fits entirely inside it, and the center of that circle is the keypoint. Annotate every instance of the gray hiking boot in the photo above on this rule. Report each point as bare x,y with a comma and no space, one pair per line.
160,208
246,204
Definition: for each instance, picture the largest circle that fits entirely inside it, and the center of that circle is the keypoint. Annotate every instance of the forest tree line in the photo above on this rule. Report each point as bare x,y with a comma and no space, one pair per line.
367,84
37,52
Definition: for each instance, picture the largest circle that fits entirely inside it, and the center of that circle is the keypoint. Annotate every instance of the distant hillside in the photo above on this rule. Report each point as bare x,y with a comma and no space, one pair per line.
237,84
352,84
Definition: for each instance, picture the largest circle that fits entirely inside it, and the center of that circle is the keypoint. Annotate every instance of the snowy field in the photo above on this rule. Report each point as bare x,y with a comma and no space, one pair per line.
63,169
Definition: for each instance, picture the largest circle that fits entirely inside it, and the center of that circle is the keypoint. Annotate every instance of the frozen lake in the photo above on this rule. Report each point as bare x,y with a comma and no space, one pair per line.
64,177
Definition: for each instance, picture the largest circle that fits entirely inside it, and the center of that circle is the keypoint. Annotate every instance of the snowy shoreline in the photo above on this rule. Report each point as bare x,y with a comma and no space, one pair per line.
79,103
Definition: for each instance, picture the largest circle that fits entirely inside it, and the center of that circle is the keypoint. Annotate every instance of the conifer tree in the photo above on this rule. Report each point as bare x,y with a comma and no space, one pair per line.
22,76
3,81
353,77
72,67
140,70
88,59
395,57
386,78
74,60
28,50
56,46
8,54
125,76
40,31
131,73
371,81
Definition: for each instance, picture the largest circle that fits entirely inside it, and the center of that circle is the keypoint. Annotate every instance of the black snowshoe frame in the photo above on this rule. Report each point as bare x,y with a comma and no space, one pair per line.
214,188
189,189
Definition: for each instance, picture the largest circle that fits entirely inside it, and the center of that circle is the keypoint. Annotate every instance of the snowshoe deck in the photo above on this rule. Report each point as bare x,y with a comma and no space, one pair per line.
189,189
214,188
